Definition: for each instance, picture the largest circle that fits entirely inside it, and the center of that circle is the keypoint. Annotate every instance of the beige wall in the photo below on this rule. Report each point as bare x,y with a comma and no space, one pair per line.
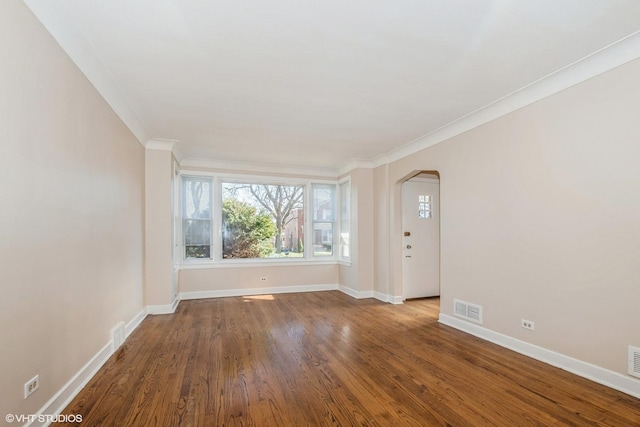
71,222
239,277
540,219
159,288
381,245
359,275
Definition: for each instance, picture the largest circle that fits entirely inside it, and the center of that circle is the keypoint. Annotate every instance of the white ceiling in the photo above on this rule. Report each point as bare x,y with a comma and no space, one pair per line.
319,83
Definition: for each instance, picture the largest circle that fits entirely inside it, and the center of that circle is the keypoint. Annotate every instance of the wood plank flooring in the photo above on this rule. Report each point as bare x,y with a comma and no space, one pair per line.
326,359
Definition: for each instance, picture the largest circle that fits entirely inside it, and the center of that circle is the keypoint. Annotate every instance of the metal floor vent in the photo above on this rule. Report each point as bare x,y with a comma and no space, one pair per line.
467,310
634,361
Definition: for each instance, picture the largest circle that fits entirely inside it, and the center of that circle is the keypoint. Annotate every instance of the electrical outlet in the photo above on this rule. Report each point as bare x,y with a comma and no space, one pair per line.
31,386
527,324
263,279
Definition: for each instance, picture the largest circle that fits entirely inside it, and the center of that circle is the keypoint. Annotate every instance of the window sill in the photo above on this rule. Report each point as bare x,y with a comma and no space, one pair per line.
195,265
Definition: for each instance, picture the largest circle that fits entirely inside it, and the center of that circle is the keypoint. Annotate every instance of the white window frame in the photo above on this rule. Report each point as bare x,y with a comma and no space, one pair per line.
180,202
345,258
216,224
176,214
334,222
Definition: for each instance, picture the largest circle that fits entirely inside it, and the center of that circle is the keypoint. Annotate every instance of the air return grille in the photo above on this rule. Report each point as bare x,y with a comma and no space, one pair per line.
467,310
634,361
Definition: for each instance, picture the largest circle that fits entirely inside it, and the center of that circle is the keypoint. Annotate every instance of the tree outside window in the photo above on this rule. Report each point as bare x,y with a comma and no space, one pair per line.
262,220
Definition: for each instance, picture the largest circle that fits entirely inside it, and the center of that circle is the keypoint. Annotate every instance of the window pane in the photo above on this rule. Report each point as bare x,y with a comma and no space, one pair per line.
322,239
200,251
323,202
323,218
196,213
345,218
197,192
197,232
262,221
424,206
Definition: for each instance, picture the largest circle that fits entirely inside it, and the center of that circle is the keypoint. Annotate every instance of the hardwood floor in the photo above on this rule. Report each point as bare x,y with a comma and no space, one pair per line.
320,359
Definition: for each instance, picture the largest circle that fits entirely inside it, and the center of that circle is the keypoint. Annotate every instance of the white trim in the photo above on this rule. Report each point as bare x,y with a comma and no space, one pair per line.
388,298
381,160
380,296
135,322
70,390
614,55
258,167
65,395
354,293
57,19
258,178
355,164
160,144
256,291
339,208
69,34
425,180
586,370
165,308
396,299
177,153
276,262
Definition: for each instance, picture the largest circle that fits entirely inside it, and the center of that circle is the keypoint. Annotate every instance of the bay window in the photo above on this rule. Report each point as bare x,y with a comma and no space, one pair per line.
241,218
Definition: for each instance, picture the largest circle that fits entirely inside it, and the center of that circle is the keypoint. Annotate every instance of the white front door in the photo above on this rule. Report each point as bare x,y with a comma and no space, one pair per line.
421,238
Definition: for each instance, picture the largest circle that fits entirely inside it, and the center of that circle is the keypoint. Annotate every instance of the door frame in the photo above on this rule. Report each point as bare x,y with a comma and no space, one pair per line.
414,174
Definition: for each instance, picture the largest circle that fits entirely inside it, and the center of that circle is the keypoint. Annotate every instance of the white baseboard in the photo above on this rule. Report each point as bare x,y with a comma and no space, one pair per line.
387,298
256,291
380,296
355,294
586,370
65,395
397,299
135,322
165,308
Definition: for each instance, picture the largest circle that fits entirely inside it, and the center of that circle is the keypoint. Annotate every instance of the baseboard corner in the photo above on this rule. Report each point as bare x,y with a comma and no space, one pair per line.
583,369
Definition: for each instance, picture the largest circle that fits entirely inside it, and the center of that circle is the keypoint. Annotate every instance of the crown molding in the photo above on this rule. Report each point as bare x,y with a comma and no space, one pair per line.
56,18
258,167
380,161
355,164
612,56
160,144
177,152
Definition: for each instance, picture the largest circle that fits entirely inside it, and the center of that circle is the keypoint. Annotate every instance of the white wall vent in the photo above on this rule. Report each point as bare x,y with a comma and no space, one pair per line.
467,310
634,361
460,308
